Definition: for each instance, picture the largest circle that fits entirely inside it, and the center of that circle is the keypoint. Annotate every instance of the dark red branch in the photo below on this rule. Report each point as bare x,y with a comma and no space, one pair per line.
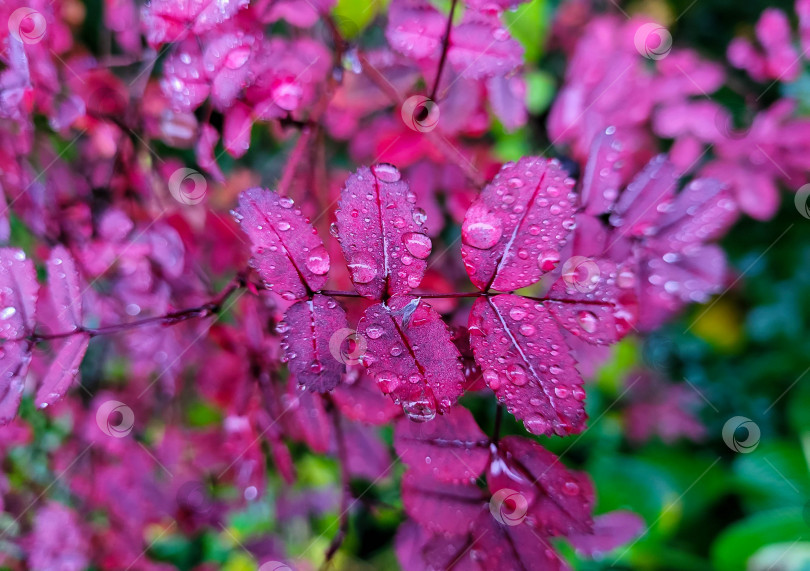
445,46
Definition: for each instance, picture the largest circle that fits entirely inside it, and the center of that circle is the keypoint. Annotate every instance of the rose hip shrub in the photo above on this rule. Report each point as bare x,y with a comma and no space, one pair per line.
287,283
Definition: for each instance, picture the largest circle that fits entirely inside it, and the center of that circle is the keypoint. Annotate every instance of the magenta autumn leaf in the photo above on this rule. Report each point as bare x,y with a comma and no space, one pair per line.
512,234
63,369
480,46
166,21
441,507
420,550
513,547
594,300
382,239
411,356
313,337
610,531
558,501
287,252
64,289
415,29
18,294
525,360
645,198
450,448
359,398
15,356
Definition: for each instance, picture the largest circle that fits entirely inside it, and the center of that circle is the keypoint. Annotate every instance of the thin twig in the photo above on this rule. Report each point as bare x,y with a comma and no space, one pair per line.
445,47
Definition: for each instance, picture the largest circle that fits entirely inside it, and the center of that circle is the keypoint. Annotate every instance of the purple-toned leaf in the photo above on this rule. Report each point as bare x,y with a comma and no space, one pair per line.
64,289
599,309
287,252
642,202
306,418
236,130
702,212
480,46
184,79
450,448
166,21
359,398
610,531
415,29
62,370
557,501
315,332
507,95
525,360
412,357
384,244
18,294
441,507
602,177
15,356
418,549
513,233
513,547
368,455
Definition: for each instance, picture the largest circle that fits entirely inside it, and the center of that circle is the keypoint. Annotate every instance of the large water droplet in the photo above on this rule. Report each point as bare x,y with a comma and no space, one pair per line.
517,374
417,244
386,172
363,268
548,260
587,320
481,229
421,409
318,261
388,381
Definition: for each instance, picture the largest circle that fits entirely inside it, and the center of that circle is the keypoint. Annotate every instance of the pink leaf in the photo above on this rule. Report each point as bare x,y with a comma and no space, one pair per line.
555,500
411,356
415,29
184,79
610,531
18,294
287,252
204,149
525,360
602,178
166,21
480,46
384,245
702,212
15,356
62,370
314,332
600,309
236,130
63,287
450,448
358,398
507,95
512,234
513,547
367,454
226,61
441,506
418,549
645,197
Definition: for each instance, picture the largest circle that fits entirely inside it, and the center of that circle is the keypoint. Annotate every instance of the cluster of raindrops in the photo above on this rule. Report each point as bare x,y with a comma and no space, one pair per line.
529,373
512,235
